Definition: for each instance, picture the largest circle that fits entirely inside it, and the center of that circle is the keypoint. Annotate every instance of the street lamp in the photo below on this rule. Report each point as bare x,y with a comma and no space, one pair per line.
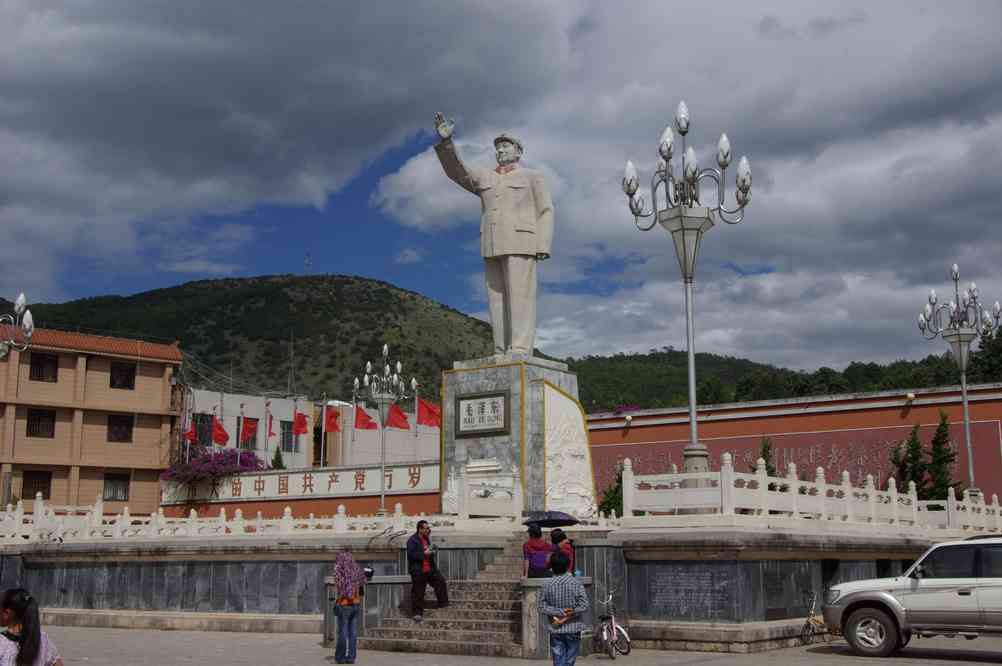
686,216
19,319
959,323
384,390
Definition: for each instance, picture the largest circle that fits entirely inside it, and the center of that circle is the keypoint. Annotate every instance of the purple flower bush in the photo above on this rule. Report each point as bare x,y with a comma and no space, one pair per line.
212,464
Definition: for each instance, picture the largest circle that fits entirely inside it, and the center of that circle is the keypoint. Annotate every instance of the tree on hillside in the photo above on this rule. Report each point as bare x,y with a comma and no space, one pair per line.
941,459
612,496
986,363
765,453
908,459
276,461
711,391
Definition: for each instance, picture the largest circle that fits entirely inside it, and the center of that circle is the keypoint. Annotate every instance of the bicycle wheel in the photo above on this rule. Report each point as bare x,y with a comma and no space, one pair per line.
807,633
621,643
609,642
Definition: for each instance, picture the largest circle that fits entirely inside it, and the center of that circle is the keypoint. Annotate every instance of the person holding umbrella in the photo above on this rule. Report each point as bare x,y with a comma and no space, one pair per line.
536,554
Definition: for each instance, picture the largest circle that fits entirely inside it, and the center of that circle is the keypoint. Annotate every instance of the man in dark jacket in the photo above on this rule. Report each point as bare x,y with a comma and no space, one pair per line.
423,570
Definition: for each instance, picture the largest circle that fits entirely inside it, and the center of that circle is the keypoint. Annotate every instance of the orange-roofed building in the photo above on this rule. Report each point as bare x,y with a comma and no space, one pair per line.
87,416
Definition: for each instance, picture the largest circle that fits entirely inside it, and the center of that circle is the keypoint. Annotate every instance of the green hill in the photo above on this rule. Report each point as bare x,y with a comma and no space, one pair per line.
238,333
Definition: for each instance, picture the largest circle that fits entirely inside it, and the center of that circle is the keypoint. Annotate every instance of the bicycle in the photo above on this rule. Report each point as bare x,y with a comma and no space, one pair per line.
612,635
814,625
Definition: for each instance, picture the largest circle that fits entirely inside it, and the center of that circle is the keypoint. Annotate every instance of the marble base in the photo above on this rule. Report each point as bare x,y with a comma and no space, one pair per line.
533,384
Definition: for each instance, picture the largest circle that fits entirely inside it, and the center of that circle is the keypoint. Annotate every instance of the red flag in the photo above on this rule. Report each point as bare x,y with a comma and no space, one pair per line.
397,419
299,424
363,421
219,434
271,419
248,430
428,413
192,434
330,421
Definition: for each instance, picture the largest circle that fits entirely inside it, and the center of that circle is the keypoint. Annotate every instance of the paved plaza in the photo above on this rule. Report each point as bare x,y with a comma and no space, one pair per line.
124,647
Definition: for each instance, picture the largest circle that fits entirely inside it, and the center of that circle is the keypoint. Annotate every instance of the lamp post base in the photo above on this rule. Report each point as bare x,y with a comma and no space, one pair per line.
696,458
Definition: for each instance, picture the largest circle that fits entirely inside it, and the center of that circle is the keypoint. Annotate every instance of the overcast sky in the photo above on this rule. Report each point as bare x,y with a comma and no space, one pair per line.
146,144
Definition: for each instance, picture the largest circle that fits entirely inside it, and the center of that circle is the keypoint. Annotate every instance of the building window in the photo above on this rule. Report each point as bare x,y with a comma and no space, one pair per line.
248,425
120,427
41,423
36,482
123,375
44,368
116,487
203,428
289,443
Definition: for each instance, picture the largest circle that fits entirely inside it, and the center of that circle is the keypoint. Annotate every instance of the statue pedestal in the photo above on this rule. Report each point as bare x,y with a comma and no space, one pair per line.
519,417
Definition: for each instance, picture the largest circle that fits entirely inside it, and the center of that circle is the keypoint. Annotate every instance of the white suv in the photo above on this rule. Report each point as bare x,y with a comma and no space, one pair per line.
954,589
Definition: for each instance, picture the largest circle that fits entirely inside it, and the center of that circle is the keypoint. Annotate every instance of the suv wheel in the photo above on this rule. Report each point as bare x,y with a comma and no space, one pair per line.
872,633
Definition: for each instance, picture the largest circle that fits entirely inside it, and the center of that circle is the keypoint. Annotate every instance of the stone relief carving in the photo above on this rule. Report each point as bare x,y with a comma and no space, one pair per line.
569,482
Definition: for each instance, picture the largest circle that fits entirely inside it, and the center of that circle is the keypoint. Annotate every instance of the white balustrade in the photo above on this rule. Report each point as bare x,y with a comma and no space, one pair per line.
758,498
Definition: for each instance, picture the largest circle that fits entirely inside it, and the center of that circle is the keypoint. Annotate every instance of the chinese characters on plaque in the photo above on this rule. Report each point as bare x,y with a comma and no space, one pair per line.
483,414
401,478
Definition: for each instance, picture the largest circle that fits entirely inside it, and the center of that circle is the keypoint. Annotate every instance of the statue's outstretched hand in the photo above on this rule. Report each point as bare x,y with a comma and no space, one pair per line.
443,126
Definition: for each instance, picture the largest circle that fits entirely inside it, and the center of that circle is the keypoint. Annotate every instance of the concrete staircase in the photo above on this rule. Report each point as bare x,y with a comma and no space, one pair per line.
484,616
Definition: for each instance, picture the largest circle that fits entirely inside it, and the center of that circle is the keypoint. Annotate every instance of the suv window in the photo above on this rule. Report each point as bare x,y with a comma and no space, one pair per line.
949,562
991,561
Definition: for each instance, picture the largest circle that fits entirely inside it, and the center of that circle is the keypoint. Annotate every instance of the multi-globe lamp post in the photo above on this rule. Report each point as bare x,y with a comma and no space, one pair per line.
19,320
686,216
959,323
384,390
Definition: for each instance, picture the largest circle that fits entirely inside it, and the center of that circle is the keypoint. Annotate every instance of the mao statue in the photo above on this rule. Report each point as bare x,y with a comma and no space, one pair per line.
516,231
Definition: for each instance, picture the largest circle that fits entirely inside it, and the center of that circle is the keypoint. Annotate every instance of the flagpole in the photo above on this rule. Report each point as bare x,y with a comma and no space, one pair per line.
415,409
267,432
323,432
240,434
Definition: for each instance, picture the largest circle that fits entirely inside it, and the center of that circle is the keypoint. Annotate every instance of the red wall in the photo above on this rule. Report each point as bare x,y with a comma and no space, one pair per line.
850,438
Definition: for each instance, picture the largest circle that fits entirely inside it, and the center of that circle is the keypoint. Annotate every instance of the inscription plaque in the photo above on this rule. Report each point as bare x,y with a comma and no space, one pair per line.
483,414
678,591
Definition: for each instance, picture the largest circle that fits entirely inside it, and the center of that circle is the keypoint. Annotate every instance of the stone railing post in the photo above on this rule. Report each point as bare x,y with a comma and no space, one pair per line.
822,488
285,524
259,524
762,481
462,496
221,522
341,520
674,470
519,503
191,527
237,525
995,513
952,521
399,519
871,497
892,491
848,496
913,501
628,488
792,488
726,482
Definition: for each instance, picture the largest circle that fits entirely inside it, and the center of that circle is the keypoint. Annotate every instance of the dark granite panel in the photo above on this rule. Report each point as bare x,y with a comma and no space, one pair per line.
287,574
85,585
159,599
68,588
201,581
102,581
133,585
174,585
147,585
269,587
235,599
218,585
12,574
252,586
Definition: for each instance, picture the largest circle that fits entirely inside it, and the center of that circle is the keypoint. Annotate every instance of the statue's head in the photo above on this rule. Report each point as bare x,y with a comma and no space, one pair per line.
509,149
